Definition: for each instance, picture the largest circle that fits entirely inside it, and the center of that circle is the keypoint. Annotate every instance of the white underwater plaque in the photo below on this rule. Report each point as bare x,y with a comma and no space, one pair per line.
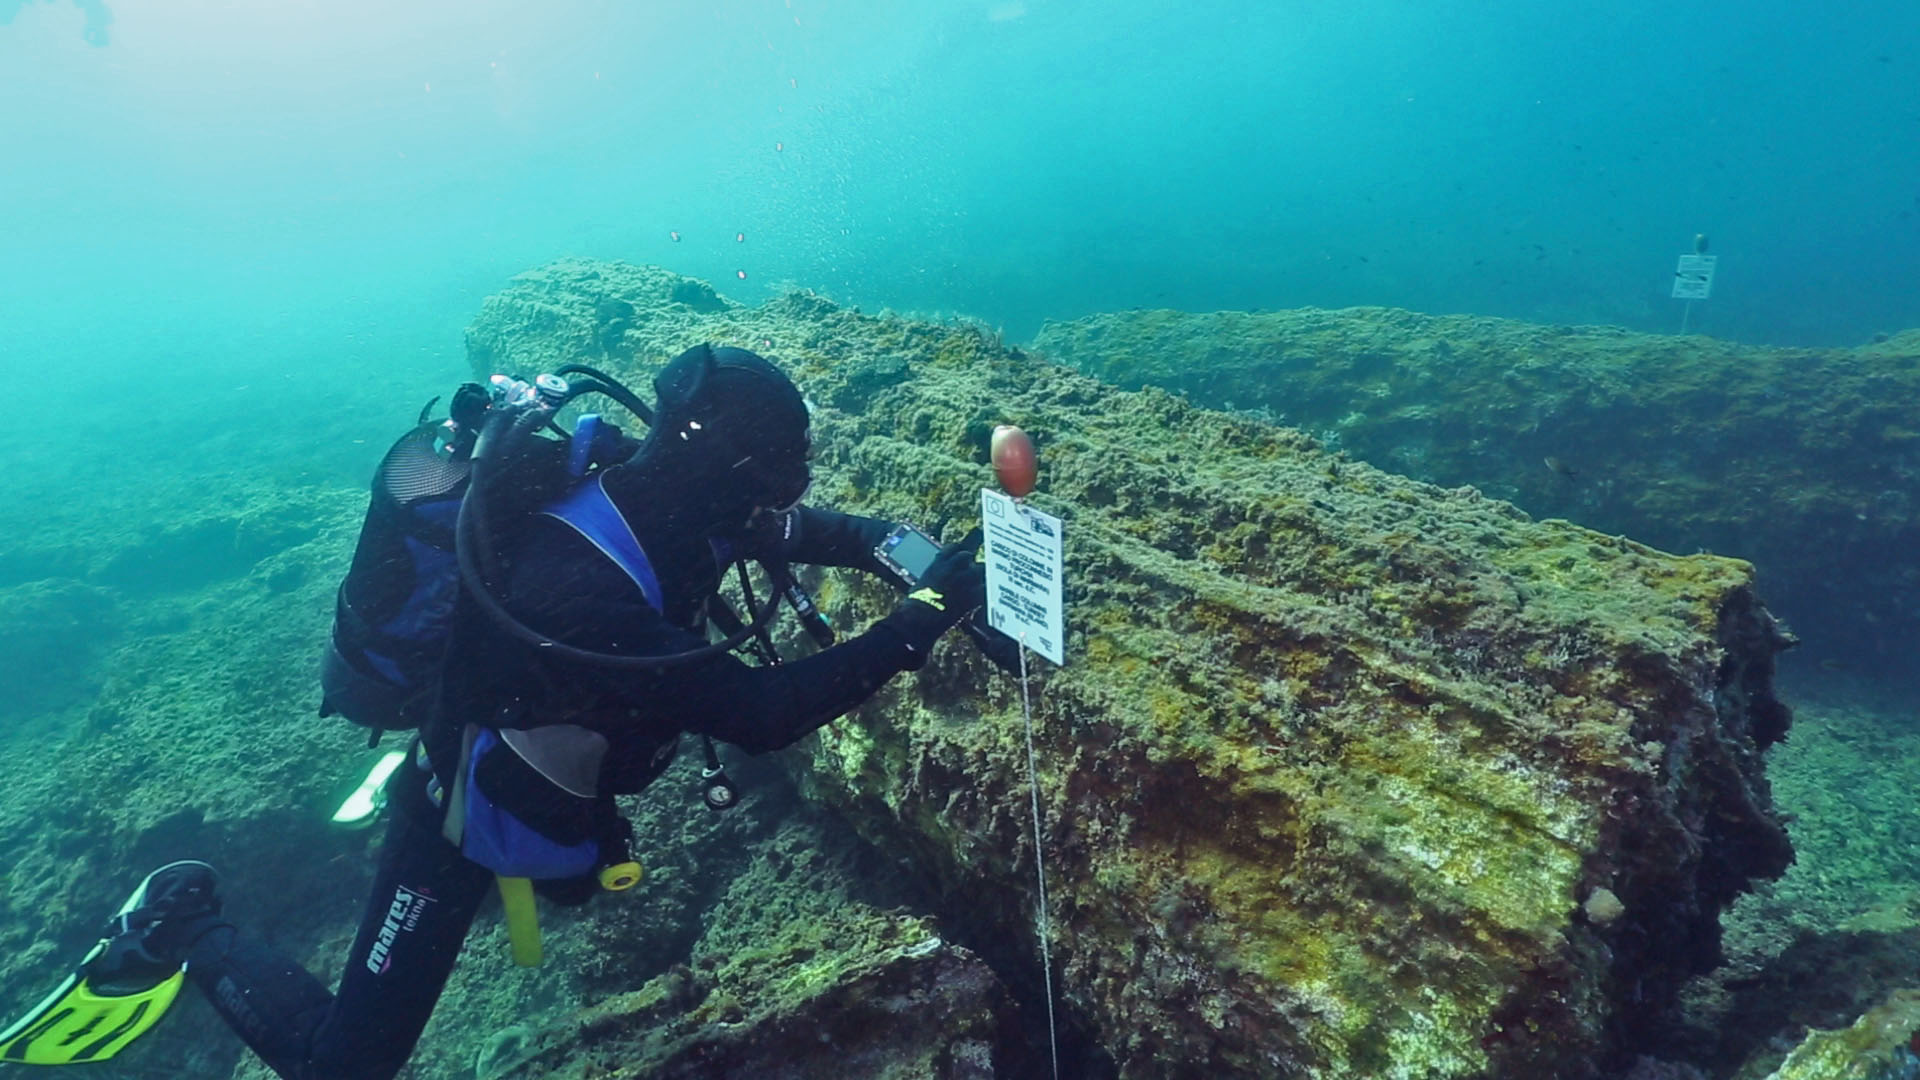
1693,278
1026,594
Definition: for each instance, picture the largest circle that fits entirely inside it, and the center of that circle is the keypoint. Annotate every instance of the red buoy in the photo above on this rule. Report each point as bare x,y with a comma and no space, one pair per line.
1014,461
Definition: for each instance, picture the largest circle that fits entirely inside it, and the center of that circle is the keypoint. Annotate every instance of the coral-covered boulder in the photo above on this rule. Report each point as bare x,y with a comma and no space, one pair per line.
1346,775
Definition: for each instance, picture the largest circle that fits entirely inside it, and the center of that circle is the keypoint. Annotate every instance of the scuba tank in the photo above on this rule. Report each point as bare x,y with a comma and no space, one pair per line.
392,611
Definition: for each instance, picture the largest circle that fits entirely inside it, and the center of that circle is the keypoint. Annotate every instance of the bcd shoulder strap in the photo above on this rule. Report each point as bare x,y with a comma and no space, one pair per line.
589,511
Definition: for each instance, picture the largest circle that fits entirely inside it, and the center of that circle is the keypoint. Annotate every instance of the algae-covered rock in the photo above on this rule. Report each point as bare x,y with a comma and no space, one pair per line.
199,739
1879,1046
766,941
1801,460
81,574
795,978
1337,758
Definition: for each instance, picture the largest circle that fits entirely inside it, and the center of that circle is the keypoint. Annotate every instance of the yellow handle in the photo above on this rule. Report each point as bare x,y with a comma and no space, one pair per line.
620,876
523,920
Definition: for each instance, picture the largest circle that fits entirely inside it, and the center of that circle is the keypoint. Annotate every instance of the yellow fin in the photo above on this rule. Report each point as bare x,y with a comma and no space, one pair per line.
77,1024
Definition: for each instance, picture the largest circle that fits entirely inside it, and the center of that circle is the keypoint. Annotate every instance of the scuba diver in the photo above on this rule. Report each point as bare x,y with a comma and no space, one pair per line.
556,665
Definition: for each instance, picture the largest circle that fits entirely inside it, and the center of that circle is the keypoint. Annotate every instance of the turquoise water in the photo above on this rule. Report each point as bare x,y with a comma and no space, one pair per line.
225,189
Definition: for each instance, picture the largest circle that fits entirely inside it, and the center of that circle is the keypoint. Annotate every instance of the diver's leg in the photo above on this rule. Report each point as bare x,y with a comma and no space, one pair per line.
270,1001
424,899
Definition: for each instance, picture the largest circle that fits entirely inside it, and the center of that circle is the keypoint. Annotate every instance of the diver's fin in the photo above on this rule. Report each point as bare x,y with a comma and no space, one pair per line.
93,1015
77,1024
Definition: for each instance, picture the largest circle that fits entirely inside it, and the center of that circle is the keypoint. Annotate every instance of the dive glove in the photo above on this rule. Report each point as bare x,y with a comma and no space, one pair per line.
951,589
994,645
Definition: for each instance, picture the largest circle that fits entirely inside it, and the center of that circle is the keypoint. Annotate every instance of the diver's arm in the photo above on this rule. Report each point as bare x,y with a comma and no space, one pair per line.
756,708
588,604
826,538
760,709
831,538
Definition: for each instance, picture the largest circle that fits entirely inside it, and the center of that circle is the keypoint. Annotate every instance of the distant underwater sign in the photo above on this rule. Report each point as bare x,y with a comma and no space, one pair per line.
1026,597
1693,278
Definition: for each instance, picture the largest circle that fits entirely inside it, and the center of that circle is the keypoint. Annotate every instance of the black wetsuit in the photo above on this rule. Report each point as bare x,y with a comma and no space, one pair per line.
426,892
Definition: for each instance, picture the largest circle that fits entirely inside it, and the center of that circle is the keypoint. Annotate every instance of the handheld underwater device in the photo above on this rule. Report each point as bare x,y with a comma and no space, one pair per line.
907,553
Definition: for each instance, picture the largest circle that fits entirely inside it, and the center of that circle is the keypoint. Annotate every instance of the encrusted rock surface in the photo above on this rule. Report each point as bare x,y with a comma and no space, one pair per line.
876,998
1804,461
199,739
1881,1045
1337,757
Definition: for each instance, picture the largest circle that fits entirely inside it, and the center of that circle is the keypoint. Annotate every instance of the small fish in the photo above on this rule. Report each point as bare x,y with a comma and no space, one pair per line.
1560,469
675,234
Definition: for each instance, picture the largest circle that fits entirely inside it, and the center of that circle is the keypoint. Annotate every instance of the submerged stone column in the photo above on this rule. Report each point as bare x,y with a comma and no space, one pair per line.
1346,776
